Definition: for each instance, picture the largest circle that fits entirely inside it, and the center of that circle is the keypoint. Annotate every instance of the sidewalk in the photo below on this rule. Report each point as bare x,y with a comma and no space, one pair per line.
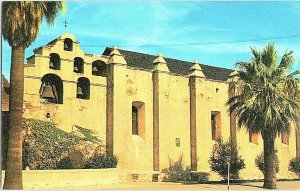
294,185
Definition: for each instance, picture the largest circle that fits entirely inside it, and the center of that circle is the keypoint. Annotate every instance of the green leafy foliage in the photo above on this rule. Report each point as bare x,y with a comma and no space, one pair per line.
66,163
88,135
267,98
259,162
26,155
101,161
176,171
45,145
294,166
221,151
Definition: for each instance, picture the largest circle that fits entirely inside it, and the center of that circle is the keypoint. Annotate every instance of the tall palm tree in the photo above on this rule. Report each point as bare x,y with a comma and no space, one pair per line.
21,23
266,100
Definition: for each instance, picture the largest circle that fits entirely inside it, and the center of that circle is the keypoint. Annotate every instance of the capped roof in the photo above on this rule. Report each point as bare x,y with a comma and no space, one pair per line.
141,60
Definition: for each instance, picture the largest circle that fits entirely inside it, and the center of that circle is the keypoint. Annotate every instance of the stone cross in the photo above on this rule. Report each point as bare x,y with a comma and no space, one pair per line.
65,24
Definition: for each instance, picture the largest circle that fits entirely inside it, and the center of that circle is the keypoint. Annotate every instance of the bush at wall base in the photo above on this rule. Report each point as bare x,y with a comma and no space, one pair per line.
101,161
222,151
259,162
294,166
177,172
66,163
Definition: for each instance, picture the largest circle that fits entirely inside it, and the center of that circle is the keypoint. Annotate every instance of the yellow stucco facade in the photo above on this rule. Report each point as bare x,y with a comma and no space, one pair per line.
165,99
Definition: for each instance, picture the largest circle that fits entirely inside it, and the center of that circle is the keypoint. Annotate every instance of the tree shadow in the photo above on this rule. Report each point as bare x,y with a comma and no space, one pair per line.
250,185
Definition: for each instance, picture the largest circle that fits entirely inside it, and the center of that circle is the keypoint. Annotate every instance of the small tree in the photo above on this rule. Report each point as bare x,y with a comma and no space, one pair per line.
294,166
259,162
218,163
176,171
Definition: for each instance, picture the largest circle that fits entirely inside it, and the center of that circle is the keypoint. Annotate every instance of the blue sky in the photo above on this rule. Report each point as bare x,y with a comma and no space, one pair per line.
215,33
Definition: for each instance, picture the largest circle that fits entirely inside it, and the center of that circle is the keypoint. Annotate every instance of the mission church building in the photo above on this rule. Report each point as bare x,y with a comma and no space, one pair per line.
147,109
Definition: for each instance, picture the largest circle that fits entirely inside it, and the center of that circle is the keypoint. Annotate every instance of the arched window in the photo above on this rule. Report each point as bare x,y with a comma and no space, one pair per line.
78,65
51,90
138,118
54,61
83,88
68,44
99,68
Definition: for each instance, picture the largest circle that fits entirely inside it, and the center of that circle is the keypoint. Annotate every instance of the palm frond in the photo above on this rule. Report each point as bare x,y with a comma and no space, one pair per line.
267,95
269,56
22,20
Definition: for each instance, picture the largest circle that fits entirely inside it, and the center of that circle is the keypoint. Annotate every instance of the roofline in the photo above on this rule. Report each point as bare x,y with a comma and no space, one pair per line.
169,58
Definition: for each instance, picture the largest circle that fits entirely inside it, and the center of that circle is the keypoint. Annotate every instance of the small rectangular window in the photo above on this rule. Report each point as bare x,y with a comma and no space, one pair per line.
134,120
138,118
285,137
253,138
216,125
177,142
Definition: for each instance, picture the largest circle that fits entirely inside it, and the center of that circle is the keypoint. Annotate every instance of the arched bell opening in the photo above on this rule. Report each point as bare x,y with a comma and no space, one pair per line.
99,68
68,44
78,65
83,88
51,90
54,61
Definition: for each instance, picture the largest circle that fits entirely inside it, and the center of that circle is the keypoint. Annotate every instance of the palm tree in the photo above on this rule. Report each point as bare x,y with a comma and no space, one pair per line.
21,22
266,100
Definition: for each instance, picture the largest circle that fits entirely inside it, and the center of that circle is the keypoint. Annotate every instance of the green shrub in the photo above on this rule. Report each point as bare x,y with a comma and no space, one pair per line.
200,176
221,151
259,162
46,144
176,171
102,161
65,163
294,166
25,155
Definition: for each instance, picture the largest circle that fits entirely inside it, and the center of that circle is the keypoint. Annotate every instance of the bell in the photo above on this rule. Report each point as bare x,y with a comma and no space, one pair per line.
66,46
76,69
94,69
51,65
79,91
47,92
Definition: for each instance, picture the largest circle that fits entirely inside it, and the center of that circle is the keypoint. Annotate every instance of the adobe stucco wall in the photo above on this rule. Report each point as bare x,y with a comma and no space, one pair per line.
134,152
174,119
89,113
249,151
210,99
49,179
130,84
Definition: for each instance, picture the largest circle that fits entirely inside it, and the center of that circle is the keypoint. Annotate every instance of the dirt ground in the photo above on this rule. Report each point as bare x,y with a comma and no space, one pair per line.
281,185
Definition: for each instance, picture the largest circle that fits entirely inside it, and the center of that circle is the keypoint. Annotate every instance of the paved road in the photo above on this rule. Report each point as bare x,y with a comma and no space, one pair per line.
294,185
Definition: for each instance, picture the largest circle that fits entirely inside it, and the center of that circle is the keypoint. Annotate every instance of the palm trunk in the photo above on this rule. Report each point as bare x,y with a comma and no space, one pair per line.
13,172
269,162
